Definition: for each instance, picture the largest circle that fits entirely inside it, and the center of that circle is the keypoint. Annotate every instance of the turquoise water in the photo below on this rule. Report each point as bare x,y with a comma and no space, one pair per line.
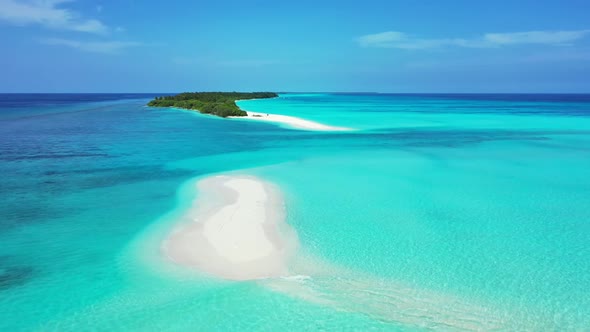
439,212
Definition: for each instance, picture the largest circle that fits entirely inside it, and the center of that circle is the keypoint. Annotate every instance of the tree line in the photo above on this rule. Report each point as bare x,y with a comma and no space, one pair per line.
216,103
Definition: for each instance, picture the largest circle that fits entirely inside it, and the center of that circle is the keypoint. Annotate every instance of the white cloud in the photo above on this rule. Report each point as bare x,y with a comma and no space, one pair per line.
107,47
536,37
47,13
383,39
396,39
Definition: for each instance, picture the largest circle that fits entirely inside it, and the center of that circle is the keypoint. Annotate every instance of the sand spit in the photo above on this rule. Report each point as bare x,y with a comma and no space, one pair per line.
293,122
236,230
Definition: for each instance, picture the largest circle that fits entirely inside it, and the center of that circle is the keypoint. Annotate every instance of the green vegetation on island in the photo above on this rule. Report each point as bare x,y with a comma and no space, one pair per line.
222,104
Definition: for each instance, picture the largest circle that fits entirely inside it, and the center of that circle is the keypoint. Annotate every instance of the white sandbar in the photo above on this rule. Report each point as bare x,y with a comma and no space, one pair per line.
236,230
292,121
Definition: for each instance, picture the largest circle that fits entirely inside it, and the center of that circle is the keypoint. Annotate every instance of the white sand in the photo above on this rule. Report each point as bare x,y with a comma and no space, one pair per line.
292,121
236,230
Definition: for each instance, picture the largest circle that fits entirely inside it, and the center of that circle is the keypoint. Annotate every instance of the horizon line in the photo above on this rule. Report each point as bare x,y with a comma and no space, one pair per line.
316,92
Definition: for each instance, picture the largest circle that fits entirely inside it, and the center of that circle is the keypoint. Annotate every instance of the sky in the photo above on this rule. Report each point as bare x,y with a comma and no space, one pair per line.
395,46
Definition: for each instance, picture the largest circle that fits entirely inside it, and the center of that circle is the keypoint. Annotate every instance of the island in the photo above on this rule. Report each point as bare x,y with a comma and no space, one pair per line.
221,104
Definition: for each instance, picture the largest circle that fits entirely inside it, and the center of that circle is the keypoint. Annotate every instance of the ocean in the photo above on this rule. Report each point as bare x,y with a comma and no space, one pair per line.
438,212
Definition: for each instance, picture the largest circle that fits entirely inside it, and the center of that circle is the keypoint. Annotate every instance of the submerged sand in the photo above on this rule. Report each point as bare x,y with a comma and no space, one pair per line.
292,121
236,230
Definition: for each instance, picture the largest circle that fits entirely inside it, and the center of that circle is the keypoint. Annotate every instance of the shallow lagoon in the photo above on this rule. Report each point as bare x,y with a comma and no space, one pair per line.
461,210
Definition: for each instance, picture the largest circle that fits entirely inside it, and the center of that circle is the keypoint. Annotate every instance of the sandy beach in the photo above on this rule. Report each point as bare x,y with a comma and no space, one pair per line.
235,230
292,121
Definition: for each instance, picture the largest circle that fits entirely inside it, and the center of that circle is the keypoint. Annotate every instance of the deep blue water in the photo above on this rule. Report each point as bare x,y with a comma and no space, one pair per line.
55,99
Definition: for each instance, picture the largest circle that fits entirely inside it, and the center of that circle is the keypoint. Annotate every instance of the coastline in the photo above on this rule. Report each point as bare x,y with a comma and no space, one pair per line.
286,121
236,231
290,121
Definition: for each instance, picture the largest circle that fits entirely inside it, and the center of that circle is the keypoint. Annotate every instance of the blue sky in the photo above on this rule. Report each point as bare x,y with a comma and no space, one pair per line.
382,46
